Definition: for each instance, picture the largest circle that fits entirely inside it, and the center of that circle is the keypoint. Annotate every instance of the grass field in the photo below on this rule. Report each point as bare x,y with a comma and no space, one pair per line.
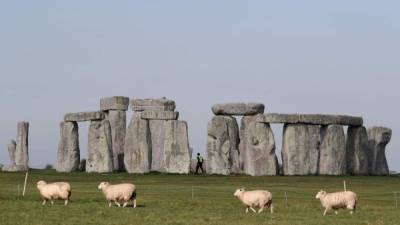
190,199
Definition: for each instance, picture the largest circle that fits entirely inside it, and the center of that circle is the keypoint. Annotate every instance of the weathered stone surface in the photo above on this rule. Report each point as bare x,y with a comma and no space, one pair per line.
357,150
316,119
114,103
300,149
68,154
157,133
12,147
222,146
161,104
117,120
332,159
137,150
82,165
378,138
159,115
21,152
83,116
238,109
100,155
176,147
278,118
257,148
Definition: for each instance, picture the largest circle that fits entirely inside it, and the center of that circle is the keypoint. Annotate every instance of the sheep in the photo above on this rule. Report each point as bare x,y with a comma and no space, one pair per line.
54,191
257,198
119,193
337,200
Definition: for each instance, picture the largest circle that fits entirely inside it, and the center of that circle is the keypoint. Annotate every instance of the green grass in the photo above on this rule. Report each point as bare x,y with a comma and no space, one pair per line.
167,199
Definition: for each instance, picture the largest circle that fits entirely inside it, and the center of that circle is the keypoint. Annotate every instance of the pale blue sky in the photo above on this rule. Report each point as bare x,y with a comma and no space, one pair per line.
294,56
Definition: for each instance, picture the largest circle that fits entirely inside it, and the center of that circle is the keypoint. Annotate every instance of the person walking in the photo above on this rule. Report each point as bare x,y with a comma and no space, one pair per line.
199,164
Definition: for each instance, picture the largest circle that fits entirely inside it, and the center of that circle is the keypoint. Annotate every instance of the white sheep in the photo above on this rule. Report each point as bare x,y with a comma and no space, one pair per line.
119,193
54,191
337,200
257,198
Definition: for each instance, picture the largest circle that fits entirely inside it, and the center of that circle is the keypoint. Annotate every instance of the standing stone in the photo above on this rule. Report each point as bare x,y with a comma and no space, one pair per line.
157,133
300,149
357,151
222,146
114,103
176,147
100,155
68,148
137,150
257,148
378,138
21,152
11,147
332,159
117,120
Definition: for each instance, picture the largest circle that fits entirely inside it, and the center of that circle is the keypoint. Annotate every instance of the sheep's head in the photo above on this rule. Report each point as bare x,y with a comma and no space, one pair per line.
102,185
40,183
320,194
239,191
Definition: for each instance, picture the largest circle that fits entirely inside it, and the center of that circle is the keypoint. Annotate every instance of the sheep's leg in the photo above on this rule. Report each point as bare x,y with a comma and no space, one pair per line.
134,203
272,209
336,212
44,202
109,204
51,201
118,204
247,209
326,210
66,202
261,209
125,204
252,209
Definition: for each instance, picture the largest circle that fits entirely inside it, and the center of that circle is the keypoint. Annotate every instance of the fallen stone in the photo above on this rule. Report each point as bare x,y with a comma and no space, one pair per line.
82,165
223,146
159,115
357,150
21,151
238,109
257,148
332,159
137,150
100,154
68,154
117,120
114,103
83,116
160,104
157,133
378,138
314,119
176,147
300,149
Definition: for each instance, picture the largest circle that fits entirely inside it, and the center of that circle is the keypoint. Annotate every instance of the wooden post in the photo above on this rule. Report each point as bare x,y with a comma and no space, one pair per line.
26,179
344,185
285,198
